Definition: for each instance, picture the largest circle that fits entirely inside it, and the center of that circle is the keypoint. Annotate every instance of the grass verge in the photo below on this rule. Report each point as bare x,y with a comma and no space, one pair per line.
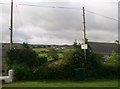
64,83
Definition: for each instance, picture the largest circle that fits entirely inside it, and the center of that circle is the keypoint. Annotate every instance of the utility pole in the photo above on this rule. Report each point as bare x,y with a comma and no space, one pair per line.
84,36
11,25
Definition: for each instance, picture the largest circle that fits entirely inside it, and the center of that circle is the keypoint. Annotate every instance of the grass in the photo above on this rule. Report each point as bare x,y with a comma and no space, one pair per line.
40,49
64,83
60,55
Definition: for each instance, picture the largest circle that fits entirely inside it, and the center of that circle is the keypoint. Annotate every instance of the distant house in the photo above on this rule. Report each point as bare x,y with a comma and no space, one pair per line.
104,48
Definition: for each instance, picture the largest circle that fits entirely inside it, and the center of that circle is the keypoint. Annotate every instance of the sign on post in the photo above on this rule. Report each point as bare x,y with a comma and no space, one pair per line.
84,46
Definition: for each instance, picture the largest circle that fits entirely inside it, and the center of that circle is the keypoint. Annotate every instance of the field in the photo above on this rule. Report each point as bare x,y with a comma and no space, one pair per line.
44,52
40,49
64,83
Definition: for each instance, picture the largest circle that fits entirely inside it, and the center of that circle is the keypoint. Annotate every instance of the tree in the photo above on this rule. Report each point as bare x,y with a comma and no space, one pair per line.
113,59
22,56
25,45
74,58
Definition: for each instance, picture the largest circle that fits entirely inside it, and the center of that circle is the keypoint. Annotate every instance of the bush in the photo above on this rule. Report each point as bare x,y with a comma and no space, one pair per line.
25,63
65,69
94,64
113,59
75,59
22,56
24,72
25,45
109,72
21,72
28,65
97,69
53,72
41,60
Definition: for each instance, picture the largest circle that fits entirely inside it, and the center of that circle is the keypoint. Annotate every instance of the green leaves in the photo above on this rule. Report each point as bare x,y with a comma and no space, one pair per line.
113,59
53,54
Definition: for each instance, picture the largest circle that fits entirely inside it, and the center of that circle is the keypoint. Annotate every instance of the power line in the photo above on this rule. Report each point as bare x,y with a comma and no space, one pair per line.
102,15
68,8
4,4
49,6
73,8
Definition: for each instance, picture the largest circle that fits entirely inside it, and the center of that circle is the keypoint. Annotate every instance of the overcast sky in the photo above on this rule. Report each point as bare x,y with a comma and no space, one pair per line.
45,25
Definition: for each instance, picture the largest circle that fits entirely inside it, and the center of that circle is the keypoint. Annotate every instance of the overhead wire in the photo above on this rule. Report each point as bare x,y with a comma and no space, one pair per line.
4,4
49,6
61,7
75,9
103,16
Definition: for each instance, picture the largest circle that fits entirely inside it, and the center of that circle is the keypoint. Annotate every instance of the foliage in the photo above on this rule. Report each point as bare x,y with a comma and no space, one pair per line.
53,72
24,63
40,50
113,59
21,72
112,66
22,56
74,58
53,54
41,60
28,64
93,63
109,71
25,45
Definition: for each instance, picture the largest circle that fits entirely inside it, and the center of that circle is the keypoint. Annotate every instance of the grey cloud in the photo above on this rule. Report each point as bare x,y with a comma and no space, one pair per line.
48,25
101,35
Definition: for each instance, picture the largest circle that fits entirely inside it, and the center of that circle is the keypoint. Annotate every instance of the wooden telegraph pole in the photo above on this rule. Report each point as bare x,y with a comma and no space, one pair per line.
84,35
11,25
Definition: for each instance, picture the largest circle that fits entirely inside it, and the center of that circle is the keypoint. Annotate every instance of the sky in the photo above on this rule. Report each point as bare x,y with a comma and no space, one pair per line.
35,22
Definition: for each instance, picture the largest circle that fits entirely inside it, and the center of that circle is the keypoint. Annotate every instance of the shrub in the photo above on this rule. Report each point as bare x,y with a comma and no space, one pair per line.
94,64
28,65
53,72
109,71
24,63
21,72
41,60
25,45
22,56
75,59
113,59
111,67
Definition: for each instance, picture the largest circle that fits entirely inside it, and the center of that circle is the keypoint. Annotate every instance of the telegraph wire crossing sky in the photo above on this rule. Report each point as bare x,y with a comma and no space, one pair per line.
39,22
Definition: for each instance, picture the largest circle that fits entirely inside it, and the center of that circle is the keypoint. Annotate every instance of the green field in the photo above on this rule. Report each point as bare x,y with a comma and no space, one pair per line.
39,51
64,83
